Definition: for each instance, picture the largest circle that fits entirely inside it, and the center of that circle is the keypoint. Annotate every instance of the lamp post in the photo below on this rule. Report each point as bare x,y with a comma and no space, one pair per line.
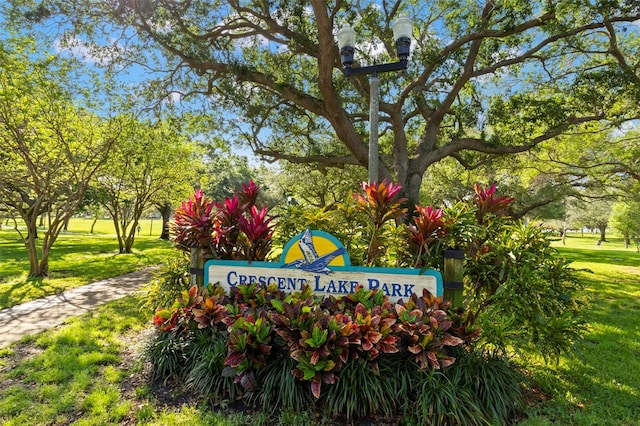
402,28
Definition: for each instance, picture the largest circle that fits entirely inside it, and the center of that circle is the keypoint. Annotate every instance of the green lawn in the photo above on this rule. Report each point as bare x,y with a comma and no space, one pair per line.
148,227
86,371
76,258
599,383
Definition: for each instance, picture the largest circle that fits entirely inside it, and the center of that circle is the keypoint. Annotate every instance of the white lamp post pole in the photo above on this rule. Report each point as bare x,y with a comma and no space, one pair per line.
402,29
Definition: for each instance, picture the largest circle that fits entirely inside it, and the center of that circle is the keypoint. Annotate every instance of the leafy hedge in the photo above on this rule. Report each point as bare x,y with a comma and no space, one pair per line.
352,356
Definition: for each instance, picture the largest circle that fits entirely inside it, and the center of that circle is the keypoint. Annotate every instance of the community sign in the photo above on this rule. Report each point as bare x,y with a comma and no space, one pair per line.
319,260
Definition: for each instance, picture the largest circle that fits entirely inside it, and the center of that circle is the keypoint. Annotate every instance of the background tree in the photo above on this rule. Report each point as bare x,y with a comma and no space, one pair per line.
312,186
625,218
151,162
50,146
591,213
223,172
485,78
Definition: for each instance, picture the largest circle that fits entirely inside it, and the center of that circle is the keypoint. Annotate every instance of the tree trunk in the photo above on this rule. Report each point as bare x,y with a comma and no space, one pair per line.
165,212
93,224
130,238
44,261
412,191
32,249
627,241
66,223
603,230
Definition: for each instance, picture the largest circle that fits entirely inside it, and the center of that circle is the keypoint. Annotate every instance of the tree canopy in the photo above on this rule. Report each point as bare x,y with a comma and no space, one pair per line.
50,145
151,164
486,78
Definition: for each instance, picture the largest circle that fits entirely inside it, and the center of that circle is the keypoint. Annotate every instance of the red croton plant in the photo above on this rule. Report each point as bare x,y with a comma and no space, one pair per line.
232,229
321,335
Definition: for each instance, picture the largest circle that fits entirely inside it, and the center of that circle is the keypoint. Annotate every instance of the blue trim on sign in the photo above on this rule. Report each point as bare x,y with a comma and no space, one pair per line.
400,271
276,265
325,235
347,268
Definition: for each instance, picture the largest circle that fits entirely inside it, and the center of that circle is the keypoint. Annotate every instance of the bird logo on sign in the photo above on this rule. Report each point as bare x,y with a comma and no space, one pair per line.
311,261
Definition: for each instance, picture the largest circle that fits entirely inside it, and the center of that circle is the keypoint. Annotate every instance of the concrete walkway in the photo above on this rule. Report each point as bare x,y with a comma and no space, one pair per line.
42,314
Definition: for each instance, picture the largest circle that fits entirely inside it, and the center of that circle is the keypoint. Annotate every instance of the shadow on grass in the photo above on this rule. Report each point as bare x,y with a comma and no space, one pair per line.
75,372
603,256
74,260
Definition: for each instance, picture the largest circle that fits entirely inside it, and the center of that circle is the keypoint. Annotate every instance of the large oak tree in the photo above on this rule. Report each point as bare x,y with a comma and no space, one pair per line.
486,78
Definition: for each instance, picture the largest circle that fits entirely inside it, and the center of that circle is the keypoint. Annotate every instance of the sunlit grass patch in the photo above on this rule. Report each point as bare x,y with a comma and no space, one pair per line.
599,381
76,375
75,260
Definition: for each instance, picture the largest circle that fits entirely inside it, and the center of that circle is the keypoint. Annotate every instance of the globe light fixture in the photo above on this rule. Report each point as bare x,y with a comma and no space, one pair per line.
346,37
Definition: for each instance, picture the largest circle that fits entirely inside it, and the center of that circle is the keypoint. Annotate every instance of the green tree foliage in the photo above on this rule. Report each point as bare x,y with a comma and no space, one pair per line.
625,218
485,78
50,146
591,213
224,172
151,164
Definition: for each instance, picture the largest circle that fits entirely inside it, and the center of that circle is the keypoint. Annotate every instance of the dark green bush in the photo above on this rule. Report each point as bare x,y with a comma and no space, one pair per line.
439,401
281,390
361,391
495,384
168,353
522,293
205,373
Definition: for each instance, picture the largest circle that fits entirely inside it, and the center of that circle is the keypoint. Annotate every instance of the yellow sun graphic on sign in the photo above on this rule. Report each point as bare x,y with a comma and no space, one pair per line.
310,244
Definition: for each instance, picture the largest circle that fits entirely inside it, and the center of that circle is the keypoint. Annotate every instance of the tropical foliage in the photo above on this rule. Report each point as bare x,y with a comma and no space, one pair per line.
235,228
320,337
518,295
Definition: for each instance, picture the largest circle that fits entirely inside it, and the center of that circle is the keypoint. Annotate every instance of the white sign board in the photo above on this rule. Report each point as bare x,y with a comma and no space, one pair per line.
317,259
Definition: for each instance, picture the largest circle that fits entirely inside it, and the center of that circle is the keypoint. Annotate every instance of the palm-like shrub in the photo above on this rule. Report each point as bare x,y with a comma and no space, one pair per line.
193,222
382,203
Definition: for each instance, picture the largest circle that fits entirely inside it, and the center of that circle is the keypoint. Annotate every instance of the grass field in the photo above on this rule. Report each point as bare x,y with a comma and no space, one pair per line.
599,382
89,371
148,227
76,258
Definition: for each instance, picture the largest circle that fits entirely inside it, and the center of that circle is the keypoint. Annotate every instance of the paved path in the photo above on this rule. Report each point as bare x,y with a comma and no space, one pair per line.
42,314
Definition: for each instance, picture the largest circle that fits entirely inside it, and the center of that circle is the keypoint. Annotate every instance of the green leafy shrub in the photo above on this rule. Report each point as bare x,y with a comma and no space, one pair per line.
440,401
522,293
281,390
206,374
327,343
495,384
362,391
168,282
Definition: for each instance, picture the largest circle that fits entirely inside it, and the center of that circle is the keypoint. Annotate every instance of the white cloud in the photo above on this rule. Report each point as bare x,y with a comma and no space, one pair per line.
625,128
86,52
